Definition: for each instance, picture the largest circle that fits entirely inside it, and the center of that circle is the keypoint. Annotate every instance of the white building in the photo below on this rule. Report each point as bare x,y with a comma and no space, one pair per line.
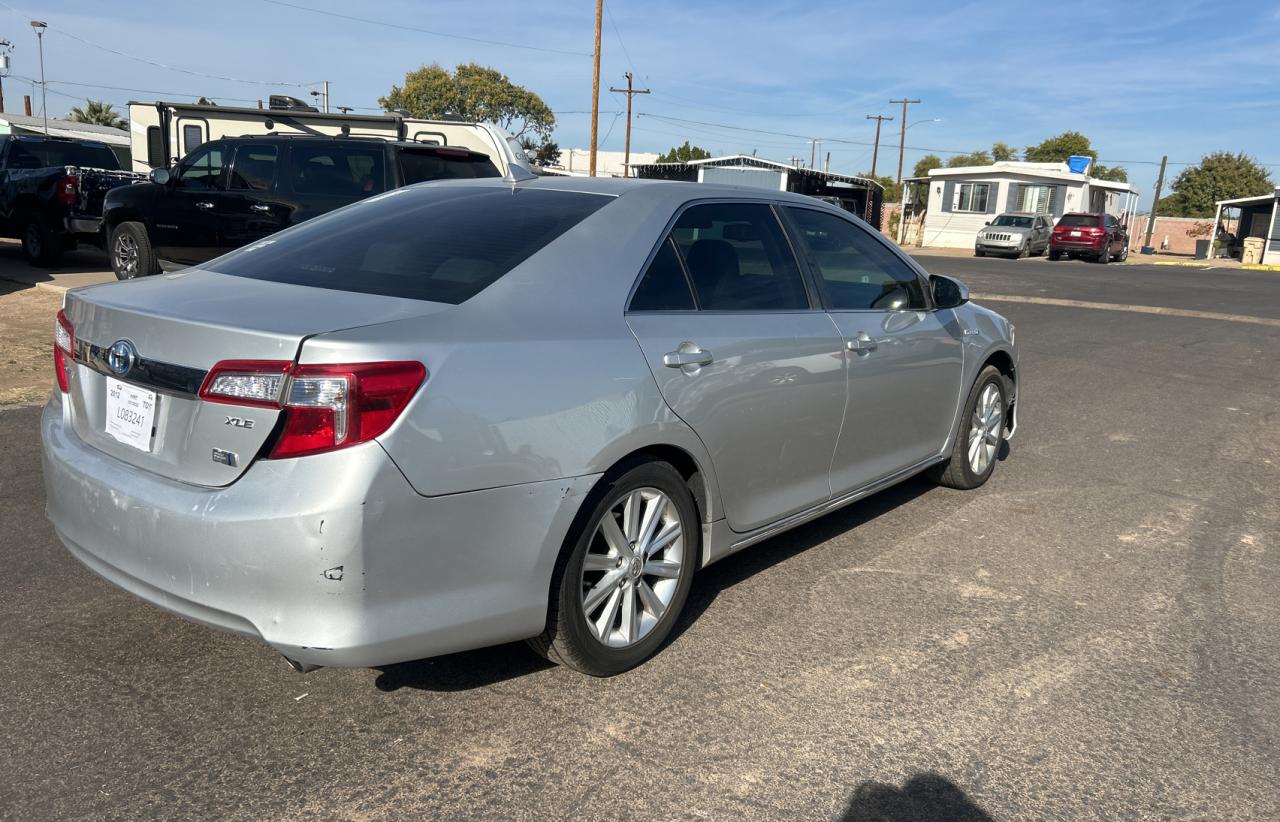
608,163
962,200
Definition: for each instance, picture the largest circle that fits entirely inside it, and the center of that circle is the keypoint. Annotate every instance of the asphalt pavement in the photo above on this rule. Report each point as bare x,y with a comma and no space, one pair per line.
1092,635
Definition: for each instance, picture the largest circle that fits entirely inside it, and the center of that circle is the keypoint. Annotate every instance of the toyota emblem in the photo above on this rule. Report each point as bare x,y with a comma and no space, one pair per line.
120,357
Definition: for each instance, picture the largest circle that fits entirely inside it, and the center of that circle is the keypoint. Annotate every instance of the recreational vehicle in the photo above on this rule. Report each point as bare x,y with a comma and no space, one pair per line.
162,133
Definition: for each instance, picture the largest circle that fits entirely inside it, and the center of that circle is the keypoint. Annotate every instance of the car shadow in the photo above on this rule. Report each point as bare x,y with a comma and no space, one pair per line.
463,671
709,582
924,797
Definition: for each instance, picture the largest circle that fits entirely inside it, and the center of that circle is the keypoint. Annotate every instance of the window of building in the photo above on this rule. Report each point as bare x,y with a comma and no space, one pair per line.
973,196
192,137
155,147
1035,199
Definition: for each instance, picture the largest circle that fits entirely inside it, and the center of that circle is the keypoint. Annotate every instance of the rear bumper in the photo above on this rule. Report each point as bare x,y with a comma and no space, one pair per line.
84,225
1067,246
331,559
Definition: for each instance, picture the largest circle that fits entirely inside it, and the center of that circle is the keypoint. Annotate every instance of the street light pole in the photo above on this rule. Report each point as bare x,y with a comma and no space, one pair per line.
39,26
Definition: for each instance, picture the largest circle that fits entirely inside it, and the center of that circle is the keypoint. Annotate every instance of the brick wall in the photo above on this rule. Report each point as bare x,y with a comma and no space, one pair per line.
1177,231
886,211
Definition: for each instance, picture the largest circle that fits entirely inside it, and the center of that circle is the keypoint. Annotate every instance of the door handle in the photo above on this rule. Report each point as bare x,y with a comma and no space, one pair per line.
680,359
205,204
861,343
261,208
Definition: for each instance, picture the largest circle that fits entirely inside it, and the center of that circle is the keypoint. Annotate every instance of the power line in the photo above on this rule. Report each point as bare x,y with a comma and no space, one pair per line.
618,34
433,33
158,64
150,91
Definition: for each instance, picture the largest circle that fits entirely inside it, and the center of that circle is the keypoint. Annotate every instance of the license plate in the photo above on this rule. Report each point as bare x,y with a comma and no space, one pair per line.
1075,234
130,414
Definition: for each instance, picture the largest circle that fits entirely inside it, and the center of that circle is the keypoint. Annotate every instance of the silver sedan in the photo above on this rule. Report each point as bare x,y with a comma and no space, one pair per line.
462,414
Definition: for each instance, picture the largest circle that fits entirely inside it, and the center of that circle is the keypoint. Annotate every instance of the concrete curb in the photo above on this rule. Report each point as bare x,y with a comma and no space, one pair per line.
1207,264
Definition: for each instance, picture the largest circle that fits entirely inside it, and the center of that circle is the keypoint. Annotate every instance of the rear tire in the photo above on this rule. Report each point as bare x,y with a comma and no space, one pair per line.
1054,255
131,253
41,246
1104,256
609,610
974,454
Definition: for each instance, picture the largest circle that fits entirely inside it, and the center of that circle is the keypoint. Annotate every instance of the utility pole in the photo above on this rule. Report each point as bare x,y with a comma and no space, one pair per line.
813,153
595,89
1151,218
902,141
629,91
875,152
5,48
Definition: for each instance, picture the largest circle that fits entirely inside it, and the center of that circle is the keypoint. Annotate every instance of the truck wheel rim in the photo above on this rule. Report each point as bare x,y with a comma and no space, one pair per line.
984,429
632,567
126,252
33,240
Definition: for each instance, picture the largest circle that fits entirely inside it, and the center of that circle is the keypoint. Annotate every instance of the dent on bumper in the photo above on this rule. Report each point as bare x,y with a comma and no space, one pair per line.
331,559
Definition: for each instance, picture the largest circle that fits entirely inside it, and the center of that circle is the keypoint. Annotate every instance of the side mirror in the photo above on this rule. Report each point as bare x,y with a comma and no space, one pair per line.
988,222
948,293
160,176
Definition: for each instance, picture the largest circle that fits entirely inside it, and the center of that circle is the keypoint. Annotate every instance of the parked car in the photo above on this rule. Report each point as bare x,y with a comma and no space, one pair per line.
473,412
1016,234
235,191
1098,237
51,192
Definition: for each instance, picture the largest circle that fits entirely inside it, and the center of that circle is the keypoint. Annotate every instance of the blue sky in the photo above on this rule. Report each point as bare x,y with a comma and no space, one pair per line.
1141,79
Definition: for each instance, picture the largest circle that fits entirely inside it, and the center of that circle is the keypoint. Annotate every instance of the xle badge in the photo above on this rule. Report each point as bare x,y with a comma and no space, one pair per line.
239,422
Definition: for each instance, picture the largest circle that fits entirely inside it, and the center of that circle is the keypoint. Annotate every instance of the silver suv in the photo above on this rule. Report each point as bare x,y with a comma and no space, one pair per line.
1017,234
466,413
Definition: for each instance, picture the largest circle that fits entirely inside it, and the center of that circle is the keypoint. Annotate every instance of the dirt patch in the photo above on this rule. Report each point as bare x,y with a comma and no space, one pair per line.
26,328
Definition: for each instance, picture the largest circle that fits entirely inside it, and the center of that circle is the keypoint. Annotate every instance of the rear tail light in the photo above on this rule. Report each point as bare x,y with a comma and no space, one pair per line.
64,346
325,407
67,190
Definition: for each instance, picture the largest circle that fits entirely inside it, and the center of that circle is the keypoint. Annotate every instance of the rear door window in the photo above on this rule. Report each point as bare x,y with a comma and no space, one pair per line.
254,168
338,170
444,244
739,259
664,286
421,166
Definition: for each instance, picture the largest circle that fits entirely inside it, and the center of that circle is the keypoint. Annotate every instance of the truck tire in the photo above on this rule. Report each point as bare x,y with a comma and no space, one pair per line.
131,253
41,246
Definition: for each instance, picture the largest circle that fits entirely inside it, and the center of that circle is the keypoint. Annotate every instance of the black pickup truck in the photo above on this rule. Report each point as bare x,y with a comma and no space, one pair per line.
51,192
236,190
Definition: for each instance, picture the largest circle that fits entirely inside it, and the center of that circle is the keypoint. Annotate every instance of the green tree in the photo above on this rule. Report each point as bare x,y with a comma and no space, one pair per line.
99,113
1058,149
1220,176
977,158
926,164
475,93
684,153
546,153
1000,152
890,187
205,101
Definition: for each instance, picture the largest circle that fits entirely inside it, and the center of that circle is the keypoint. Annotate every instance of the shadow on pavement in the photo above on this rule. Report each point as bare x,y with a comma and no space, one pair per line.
925,797
463,671
489,666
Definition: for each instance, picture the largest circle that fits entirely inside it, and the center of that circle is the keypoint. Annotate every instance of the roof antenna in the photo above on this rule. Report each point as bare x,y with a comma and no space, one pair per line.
517,174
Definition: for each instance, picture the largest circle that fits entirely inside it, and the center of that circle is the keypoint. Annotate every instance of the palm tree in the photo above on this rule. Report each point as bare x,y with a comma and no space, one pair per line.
99,113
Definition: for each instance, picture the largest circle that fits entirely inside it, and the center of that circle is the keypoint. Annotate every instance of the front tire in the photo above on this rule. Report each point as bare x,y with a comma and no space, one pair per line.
624,573
1124,255
131,253
978,252
977,446
40,245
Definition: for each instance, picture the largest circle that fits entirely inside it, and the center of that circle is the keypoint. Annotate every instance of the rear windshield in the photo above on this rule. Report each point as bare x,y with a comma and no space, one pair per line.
46,153
445,244
1079,220
421,166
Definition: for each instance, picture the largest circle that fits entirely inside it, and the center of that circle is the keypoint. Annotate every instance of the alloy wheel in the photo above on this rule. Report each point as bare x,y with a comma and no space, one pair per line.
632,567
126,256
984,429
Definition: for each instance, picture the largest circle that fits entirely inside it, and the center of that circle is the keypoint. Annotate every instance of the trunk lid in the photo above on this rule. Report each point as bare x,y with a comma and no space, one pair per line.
179,326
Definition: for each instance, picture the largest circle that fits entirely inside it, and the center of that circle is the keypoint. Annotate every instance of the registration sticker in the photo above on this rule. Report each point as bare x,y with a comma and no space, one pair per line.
130,414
